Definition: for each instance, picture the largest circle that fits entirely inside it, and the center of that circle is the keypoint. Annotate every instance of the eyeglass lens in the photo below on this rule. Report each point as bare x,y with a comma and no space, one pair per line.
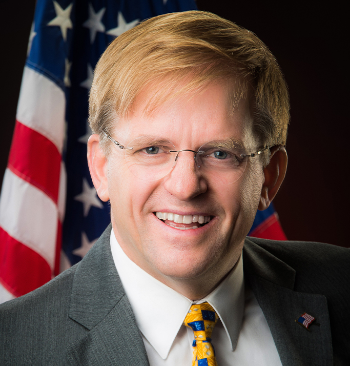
153,159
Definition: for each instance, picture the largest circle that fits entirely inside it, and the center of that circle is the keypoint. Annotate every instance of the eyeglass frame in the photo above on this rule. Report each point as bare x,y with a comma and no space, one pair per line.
252,155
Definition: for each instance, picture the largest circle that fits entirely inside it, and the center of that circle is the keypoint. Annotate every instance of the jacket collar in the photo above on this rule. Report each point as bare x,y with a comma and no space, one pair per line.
273,284
259,262
99,304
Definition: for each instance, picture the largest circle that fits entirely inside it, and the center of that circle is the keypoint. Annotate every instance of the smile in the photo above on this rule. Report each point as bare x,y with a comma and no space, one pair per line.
182,222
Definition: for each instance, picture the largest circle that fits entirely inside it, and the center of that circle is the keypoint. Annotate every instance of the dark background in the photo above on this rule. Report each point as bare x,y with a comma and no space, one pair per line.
311,43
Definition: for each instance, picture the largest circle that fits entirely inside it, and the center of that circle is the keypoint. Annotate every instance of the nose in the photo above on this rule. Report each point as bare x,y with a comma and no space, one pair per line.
185,180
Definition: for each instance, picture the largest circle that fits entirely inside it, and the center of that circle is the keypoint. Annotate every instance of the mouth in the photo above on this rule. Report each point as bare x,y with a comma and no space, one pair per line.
183,222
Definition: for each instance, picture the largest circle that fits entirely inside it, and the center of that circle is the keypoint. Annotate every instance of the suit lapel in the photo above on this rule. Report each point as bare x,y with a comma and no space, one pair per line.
99,304
272,282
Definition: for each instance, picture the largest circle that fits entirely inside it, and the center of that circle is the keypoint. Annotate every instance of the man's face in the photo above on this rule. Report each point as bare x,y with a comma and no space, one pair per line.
170,253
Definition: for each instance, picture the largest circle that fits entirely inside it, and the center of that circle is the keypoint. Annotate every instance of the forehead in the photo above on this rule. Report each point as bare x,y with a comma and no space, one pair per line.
218,110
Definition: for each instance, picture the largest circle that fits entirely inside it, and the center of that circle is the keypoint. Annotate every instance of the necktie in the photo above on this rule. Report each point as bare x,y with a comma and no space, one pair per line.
201,318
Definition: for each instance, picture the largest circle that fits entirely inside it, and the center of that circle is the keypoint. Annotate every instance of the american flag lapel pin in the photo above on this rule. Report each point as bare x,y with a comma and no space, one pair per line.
305,320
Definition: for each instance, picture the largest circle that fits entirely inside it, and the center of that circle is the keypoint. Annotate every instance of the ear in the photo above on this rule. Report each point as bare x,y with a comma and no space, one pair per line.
274,174
98,167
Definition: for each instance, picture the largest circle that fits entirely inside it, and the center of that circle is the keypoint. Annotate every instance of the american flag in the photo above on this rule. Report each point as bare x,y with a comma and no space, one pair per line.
50,215
305,320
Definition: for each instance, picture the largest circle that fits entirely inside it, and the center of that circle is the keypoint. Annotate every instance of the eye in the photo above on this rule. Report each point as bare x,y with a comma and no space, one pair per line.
151,150
224,157
219,154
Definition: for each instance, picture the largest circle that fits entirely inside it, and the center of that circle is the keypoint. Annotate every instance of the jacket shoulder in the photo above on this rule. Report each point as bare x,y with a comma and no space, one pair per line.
57,287
36,326
319,268
306,256
39,328
310,275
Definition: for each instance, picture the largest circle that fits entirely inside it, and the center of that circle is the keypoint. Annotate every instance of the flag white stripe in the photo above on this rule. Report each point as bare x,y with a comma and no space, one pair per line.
29,216
62,192
4,294
41,106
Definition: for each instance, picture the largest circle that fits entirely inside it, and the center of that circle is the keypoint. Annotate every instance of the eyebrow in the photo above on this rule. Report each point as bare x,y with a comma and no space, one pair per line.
153,139
228,143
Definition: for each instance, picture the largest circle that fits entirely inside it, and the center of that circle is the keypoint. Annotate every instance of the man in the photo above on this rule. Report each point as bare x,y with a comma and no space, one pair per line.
189,114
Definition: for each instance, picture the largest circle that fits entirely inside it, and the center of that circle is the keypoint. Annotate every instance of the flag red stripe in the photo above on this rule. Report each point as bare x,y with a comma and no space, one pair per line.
58,248
35,159
269,229
21,269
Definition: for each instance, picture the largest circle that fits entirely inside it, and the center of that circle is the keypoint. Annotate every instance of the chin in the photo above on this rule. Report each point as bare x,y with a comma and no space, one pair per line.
180,272
184,266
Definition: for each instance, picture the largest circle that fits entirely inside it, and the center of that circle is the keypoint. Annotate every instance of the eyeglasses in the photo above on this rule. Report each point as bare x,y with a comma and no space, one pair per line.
152,158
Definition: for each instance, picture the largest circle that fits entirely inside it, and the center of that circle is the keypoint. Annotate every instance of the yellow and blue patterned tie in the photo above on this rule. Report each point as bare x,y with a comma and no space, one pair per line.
202,318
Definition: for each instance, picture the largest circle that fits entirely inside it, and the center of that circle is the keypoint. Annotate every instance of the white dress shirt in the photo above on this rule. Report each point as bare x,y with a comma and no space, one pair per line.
240,337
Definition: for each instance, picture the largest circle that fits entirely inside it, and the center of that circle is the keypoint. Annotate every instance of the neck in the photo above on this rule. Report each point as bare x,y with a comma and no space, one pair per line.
197,288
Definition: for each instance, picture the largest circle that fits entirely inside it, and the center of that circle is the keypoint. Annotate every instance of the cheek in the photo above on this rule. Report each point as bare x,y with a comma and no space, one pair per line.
243,195
241,201
115,179
128,194
120,188
251,189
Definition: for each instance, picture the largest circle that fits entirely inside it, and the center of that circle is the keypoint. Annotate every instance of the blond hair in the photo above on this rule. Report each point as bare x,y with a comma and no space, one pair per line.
196,47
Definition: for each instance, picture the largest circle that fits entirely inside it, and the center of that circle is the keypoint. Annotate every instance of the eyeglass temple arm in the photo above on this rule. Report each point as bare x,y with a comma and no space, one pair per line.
116,142
259,152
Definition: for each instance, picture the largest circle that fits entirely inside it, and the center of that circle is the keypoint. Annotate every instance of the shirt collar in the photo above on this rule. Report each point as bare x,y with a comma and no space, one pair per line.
151,299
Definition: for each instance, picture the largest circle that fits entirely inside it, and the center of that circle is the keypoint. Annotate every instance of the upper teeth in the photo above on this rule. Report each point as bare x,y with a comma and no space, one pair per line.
182,219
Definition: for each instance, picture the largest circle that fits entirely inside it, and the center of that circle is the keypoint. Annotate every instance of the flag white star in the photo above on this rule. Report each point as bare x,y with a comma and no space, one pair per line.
62,18
85,247
88,197
84,139
123,26
94,22
31,37
90,76
66,79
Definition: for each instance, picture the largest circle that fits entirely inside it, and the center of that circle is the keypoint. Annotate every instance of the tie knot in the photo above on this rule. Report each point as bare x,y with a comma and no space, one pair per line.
201,318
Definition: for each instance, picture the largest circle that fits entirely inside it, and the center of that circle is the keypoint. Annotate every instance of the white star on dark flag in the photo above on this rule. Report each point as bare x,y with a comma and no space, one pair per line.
94,22
66,79
88,197
123,26
84,139
31,37
86,245
62,19
90,76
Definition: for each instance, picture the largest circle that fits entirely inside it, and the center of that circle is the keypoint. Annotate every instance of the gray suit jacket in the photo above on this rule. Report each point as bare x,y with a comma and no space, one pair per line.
83,316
